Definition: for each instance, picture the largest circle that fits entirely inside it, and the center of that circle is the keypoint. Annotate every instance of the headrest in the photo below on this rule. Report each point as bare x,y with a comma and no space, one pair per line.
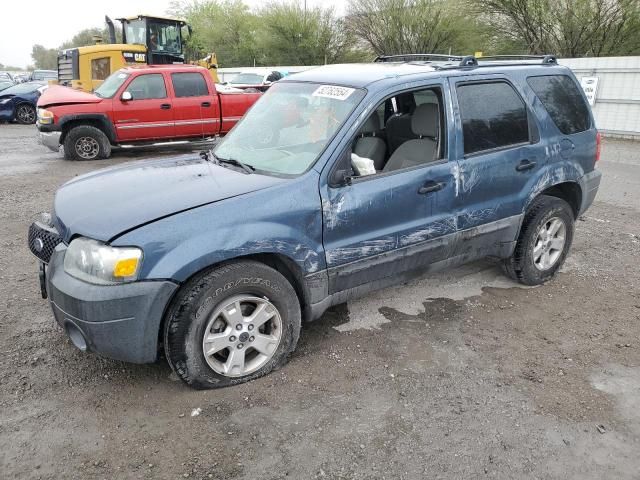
372,125
425,120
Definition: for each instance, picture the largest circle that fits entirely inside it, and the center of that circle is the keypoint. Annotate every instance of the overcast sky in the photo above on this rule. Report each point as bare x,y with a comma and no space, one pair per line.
51,22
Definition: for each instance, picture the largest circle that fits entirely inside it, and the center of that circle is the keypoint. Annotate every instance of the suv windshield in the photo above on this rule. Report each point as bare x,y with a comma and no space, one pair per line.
288,128
111,85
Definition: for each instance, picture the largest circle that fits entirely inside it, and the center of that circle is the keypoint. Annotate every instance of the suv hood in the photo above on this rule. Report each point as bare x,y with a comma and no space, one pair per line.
59,95
106,203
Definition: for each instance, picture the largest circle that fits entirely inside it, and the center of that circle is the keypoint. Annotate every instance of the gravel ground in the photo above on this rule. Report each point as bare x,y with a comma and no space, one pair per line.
461,375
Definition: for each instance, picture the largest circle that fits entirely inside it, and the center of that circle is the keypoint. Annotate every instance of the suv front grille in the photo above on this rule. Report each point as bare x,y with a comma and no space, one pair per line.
43,240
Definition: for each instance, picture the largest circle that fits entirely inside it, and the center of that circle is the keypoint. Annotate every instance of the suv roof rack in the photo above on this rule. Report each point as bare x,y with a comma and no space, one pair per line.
441,61
462,61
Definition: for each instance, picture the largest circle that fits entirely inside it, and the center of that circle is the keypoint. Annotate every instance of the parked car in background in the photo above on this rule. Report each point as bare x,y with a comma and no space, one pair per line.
258,79
4,84
139,105
22,77
371,175
18,102
6,76
44,75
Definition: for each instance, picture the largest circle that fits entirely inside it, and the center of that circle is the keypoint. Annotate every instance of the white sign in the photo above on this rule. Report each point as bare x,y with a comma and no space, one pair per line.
333,91
590,87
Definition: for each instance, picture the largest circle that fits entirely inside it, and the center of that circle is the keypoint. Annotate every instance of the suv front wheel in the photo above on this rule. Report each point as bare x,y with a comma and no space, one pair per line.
543,243
85,142
232,324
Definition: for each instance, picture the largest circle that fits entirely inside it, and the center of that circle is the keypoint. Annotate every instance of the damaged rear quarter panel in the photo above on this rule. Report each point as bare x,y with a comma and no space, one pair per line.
285,219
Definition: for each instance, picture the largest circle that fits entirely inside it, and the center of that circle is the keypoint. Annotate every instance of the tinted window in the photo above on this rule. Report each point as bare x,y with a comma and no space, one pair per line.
560,96
493,116
189,84
147,86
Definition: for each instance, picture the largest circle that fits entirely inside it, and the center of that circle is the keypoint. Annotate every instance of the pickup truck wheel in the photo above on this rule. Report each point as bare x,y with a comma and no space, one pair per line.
543,243
232,324
85,142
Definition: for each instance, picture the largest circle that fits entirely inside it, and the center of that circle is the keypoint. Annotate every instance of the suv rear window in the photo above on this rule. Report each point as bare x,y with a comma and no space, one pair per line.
561,97
493,116
189,84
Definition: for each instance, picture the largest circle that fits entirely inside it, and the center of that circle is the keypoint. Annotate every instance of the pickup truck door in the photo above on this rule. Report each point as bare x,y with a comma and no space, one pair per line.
148,115
499,152
388,225
196,110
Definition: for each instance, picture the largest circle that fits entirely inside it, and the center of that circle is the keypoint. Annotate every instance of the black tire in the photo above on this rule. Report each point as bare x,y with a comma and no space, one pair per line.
521,266
85,142
196,303
25,114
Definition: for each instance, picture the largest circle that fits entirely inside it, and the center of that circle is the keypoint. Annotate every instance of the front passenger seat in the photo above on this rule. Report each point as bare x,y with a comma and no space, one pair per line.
370,146
424,149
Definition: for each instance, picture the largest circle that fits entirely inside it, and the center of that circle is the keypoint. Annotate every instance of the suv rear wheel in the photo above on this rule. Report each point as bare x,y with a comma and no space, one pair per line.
85,142
232,324
543,243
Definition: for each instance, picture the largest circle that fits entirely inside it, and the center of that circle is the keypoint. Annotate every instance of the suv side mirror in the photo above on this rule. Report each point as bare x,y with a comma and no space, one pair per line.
126,96
341,178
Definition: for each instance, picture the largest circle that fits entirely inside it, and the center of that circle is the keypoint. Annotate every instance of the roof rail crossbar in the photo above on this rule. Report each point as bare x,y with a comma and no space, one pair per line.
546,59
416,56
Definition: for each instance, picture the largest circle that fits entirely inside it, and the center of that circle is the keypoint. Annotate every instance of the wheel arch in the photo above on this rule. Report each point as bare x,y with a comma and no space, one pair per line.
570,192
101,122
279,262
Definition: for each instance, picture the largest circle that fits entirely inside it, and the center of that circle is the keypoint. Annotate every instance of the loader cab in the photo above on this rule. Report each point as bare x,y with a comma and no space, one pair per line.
163,37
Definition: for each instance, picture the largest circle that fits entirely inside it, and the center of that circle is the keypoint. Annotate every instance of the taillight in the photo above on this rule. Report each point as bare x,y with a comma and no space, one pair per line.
598,145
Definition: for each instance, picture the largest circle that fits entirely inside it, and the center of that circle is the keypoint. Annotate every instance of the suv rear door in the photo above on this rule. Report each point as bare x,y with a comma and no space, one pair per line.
498,153
148,114
196,110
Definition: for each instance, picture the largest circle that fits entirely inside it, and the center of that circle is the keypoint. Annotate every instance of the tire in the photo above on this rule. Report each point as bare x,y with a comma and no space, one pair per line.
546,214
25,114
85,142
208,304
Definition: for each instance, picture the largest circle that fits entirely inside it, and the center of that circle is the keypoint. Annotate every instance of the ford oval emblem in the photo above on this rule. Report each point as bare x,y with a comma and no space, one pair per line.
38,244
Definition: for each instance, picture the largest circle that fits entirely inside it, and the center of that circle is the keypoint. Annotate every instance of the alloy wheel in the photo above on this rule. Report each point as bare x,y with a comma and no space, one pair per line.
549,243
242,335
87,148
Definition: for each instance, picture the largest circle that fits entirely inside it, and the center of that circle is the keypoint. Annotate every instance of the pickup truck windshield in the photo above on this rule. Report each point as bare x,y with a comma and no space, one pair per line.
111,85
288,128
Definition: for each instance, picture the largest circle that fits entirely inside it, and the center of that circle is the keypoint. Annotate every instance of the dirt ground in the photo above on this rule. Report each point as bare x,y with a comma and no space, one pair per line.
461,375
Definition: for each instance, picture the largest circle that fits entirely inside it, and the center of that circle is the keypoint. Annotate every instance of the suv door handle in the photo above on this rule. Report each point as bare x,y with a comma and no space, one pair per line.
525,165
165,106
430,186
206,104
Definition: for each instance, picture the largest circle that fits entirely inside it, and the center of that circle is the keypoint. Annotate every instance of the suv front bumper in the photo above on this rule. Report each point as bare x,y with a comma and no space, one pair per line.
121,322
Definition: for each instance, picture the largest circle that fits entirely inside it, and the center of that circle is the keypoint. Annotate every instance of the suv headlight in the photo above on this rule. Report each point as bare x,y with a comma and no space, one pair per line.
99,263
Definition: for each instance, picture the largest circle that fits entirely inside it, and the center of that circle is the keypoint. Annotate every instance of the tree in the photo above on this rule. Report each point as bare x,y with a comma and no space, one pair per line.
225,27
44,58
291,34
569,28
87,37
412,26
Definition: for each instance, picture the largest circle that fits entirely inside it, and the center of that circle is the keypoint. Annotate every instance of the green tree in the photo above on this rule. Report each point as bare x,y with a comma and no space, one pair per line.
226,27
87,37
44,58
294,35
569,28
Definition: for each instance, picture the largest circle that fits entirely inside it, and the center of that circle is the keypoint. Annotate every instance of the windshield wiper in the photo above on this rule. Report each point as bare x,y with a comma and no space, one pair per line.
232,161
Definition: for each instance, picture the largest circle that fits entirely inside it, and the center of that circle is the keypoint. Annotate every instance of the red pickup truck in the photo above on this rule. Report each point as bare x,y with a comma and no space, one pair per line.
138,105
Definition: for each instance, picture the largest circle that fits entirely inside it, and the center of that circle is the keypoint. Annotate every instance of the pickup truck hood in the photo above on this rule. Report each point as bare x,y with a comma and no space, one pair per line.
59,95
106,203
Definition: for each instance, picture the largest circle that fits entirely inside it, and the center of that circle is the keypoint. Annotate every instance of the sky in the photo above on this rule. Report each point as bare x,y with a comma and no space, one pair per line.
50,23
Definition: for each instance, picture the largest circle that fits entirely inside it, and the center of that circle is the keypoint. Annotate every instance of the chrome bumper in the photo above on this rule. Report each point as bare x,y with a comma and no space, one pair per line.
50,140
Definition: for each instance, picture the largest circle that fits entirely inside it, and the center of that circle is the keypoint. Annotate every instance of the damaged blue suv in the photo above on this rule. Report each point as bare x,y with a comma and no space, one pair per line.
340,180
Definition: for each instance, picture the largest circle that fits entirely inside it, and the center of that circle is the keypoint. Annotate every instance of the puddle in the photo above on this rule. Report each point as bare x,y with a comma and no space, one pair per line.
623,383
457,284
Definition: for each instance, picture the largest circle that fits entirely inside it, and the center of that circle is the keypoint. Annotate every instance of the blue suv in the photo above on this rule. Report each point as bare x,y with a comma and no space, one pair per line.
339,181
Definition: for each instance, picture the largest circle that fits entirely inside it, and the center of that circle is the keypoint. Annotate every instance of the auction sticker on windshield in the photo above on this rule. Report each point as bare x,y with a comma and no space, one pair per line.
333,91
